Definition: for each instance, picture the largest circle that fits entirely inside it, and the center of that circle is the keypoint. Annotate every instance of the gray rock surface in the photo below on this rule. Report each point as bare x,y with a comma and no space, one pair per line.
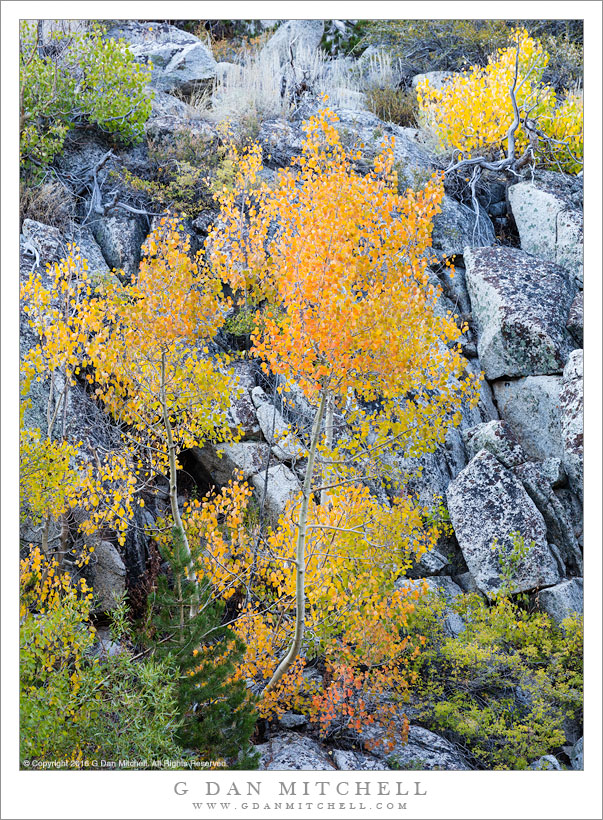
430,474
283,486
563,599
577,755
575,320
282,140
180,60
552,469
105,647
351,761
292,720
427,750
572,421
466,582
430,563
455,288
444,587
538,479
290,751
549,224
574,513
530,406
301,37
457,228
120,240
367,132
521,306
436,79
487,505
547,763
285,444
224,461
107,573
241,414
90,250
41,245
497,438
164,105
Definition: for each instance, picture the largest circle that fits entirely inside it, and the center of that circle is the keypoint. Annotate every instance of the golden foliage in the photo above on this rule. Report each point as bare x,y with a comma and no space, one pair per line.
472,112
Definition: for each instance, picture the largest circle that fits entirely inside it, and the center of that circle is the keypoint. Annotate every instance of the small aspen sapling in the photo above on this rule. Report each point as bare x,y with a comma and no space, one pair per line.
350,318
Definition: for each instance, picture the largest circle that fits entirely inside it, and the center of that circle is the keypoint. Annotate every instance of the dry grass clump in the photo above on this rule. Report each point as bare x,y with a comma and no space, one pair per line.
261,86
49,203
399,106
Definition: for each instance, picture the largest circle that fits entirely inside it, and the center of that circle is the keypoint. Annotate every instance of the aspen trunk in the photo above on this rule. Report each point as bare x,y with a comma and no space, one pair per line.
329,412
300,555
174,479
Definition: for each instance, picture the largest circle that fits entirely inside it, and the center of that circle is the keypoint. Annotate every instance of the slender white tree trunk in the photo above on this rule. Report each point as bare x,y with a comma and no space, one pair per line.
300,554
174,478
329,412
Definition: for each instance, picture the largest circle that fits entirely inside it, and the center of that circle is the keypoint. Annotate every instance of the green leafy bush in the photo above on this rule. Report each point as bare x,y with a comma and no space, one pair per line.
504,687
74,706
77,79
58,687
186,170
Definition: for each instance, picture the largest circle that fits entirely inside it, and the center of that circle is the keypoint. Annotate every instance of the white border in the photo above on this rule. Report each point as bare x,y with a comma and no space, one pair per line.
451,795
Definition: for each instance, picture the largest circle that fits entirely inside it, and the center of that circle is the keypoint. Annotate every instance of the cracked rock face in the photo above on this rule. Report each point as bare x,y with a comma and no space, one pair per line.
281,488
538,479
521,307
180,60
120,241
563,600
530,407
549,224
488,505
301,37
350,761
290,751
572,421
427,750
497,438
285,444
575,320
456,228
225,461
107,575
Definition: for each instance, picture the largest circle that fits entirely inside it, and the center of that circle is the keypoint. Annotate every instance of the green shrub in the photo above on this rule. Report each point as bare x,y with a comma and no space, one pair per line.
74,706
566,66
186,169
58,688
504,687
242,322
84,79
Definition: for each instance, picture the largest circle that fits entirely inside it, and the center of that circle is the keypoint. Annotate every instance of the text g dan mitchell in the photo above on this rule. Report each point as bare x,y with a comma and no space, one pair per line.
307,788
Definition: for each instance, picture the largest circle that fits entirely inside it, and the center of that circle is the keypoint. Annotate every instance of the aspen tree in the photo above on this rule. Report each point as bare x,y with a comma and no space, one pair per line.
349,316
